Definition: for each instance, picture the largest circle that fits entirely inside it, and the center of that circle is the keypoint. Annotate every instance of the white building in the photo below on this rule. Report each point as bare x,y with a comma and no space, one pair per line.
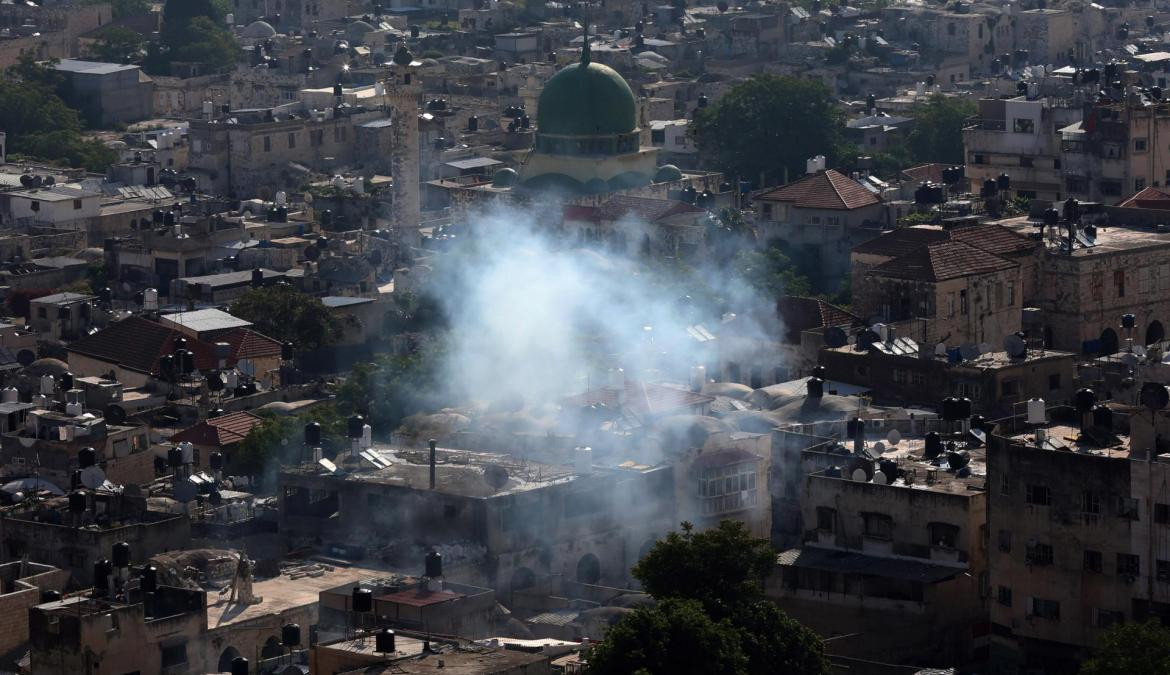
671,136
68,206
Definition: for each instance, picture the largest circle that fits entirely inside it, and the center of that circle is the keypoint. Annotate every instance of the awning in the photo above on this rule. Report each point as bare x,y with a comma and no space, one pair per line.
849,562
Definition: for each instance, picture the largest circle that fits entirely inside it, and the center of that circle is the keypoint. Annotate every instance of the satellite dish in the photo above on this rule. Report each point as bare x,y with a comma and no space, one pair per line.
940,349
312,253
1154,396
879,447
327,465
1015,346
879,478
25,356
969,351
859,475
114,414
835,337
1140,351
894,437
984,348
93,477
215,498
185,492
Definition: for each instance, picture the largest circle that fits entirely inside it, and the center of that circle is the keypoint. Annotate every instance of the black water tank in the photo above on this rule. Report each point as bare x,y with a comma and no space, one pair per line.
434,564
66,381
473,123
121,554
1084,399
239,666
1003,182
86,457
1103,417
257,277
49,595
816,387
363,600
978,422
149,579
354,426
934,446
77,502
290,635
384,641
1128,321
101,575
890,468
957,459
819,371
215,461
312,434
950,409
964,407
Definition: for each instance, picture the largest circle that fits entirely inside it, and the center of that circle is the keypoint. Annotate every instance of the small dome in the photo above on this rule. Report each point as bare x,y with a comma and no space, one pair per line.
54,367
667,173
357,30
259,30
504,178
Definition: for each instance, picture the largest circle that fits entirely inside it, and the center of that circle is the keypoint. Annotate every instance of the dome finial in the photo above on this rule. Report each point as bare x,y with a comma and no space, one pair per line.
585,55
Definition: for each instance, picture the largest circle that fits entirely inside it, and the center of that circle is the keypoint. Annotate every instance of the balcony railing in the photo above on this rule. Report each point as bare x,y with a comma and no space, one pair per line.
984,124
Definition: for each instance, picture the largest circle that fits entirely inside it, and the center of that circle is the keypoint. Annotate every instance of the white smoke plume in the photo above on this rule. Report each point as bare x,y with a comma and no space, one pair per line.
536,315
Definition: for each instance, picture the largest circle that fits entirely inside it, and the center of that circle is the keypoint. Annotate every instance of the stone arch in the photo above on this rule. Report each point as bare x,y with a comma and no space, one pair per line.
1155,332
588,569
1109,344
225,659
523,578
272,648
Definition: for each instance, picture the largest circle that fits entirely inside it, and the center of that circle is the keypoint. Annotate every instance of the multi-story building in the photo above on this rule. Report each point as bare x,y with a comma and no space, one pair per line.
1078,531
891,541
1116,151
1019,137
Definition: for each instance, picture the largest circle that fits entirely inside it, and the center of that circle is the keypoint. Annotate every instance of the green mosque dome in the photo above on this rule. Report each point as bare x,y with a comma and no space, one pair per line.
587,99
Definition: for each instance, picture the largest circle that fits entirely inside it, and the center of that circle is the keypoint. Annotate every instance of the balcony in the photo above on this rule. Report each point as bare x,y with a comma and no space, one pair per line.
984,124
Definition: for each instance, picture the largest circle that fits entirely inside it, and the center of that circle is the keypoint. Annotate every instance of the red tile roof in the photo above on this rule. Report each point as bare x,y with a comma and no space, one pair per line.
942,261
220,431
901,241
643,397
644,208
801,314
823,190
248,344
138,344
1149,198
925,172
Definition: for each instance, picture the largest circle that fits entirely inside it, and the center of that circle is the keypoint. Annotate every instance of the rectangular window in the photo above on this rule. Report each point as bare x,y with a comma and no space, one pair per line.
1037,495
1107,618
1026,161
1039,554
1139,145
1005,541
1090,506
76,204
979,159
878,525
1054,382
826,519
963,302
267,144
1092,561
1119,282
1128,565
292,141
1127,508
944,535
1004,596
1162,569
1023,125
1045,609
1162,513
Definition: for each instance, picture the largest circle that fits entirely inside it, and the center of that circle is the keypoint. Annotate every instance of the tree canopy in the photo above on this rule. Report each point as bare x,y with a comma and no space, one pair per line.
117,44
279,440
393,387
123,8
40,124
937,135
1131,649
711,615
771,272
193,31
767,125
286,314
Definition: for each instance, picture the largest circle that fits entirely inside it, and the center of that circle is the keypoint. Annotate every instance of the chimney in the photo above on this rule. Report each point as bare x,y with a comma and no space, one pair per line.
432,443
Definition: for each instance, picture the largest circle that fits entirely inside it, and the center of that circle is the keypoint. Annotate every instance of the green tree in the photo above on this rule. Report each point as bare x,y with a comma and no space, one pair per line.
279,440
124,8
723,568
771,272
719,573
393,387
286,314
1131,649
116,44
39,123
676,636
937,135
193,31
765,128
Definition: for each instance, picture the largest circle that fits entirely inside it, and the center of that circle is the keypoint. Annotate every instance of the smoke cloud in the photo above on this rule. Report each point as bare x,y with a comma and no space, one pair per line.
533,314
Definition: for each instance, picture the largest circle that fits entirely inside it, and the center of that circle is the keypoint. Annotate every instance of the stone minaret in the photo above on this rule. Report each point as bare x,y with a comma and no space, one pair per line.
403,90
